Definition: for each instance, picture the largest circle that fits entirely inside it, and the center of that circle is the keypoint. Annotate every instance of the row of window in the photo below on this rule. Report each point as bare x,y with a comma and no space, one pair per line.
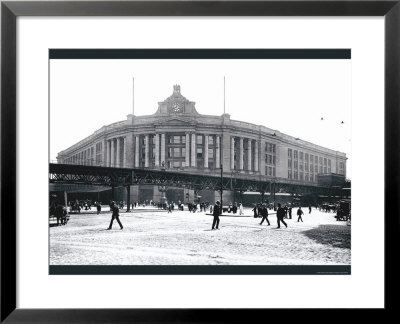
294,154
305,176
180,152
341,168
270,148
270,171
270,159
304,167
84,157
181,139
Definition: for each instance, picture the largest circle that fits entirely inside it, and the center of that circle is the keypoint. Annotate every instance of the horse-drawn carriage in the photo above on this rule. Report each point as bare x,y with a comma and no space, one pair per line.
344,210
58,214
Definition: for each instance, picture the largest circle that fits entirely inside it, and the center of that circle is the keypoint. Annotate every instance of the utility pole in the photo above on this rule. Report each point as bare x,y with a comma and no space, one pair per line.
224,95
221,188
133,96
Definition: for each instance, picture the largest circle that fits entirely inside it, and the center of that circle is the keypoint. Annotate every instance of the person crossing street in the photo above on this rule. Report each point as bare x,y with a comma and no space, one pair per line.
280,214
115,215
299,213
264,214
216,213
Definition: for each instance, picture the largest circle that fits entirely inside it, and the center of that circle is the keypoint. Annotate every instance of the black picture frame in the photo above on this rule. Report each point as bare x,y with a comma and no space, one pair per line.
10,10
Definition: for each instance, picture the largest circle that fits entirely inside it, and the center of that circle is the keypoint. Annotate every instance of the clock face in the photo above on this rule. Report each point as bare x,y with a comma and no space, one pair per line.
177,107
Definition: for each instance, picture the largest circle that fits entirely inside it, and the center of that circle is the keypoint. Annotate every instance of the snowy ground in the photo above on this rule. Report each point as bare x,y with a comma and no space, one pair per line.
152,237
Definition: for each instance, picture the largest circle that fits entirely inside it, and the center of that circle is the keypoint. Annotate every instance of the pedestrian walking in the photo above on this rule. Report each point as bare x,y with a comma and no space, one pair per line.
216,213
259,207
290,212
98,207
299,213
240,209
235,208
255,210
115,215
264,214
280,213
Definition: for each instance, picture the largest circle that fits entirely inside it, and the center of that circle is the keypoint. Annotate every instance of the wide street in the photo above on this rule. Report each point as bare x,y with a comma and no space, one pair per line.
152,237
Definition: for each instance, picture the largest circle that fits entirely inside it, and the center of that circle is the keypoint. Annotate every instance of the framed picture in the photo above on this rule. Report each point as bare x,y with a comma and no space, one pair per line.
212,122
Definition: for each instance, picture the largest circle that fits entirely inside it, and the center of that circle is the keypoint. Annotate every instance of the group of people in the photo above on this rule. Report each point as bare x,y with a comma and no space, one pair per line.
198,207
280,215
261,210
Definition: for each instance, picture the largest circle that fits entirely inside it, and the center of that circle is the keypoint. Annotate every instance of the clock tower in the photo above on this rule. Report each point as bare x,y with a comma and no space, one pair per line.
176,104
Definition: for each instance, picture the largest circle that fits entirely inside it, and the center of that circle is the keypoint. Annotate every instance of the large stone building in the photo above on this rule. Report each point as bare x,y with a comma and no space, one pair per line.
177,137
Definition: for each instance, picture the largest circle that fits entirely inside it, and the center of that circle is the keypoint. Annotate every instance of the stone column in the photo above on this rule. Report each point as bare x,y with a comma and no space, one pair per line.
112,153
206,150
108,161
232,153
163,150
187,156
262,157
241,154
118,162
194,149
124,161
157,150
136,151
217,152
146,151
103,153
249,154
255,156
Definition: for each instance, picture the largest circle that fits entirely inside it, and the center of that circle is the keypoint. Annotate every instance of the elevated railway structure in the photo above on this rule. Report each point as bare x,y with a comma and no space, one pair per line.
112,177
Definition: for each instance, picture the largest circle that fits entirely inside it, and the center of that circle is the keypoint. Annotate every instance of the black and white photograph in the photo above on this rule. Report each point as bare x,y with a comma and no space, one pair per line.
200,158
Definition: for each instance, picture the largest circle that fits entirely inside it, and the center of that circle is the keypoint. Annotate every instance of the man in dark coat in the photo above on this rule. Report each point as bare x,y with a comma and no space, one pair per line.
264,214
235,207
255,210
216,213
115,215
259,210
299,213
280,213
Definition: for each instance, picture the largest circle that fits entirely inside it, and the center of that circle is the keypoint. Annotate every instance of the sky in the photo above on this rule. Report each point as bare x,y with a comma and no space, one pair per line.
308,99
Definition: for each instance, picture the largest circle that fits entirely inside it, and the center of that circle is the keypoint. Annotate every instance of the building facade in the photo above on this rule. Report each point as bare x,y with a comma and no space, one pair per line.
177,137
